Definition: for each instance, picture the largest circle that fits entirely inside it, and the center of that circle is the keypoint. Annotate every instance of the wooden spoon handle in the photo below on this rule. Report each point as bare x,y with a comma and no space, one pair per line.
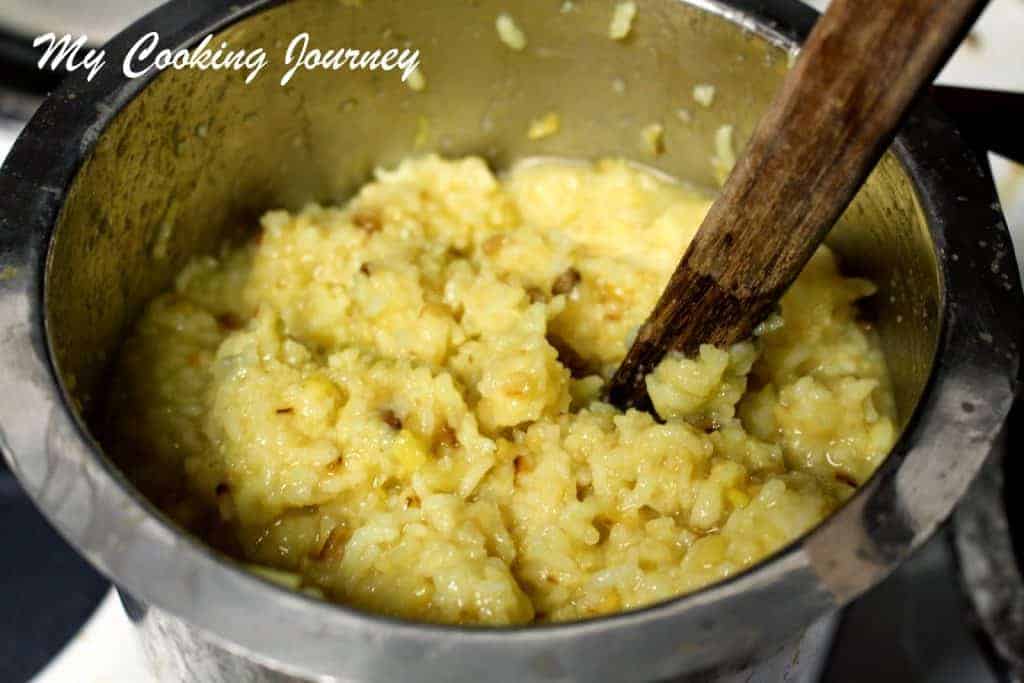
837,111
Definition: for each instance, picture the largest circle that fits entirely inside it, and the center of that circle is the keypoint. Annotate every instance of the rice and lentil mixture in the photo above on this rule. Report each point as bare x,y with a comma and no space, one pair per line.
396,404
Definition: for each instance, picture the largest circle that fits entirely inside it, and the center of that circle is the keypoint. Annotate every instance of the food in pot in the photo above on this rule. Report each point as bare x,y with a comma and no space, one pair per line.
398,402
509,32
622,20
545,126
704,94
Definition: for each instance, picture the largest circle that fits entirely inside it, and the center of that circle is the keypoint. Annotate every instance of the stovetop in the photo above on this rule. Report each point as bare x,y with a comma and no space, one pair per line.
61,623
49,591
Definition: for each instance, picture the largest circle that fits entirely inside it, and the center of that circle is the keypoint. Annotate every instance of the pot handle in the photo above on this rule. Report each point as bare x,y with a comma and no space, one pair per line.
983,523
989,119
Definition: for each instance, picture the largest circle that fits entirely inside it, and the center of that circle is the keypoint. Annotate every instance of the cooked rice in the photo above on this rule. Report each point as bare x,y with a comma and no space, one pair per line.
398,401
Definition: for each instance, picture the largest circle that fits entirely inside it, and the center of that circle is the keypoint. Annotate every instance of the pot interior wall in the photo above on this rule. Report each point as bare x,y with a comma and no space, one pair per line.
198,156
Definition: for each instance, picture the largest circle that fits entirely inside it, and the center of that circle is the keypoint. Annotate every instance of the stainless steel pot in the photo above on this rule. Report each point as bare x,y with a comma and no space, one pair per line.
104,167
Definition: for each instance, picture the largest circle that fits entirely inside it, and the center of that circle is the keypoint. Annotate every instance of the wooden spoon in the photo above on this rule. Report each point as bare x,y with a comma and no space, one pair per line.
838,109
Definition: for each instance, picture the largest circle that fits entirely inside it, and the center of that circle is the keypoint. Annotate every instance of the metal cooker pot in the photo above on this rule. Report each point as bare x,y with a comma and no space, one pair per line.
106,166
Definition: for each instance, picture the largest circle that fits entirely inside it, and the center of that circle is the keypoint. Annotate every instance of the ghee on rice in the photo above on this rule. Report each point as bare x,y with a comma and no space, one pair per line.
397,402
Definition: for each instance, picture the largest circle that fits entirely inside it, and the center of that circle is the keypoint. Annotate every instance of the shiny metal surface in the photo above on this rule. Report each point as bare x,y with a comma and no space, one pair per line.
990,571
104,165
179,653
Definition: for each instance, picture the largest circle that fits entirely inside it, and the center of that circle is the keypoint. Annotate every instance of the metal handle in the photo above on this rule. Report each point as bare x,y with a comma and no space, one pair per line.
989,119
982,527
